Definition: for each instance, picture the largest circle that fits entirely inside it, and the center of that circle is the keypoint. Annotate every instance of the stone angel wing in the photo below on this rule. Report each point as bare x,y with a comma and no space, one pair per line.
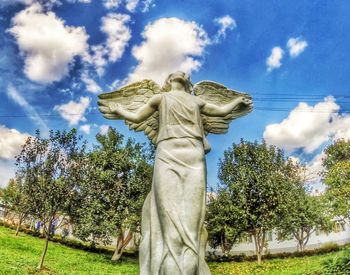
132,97
219,95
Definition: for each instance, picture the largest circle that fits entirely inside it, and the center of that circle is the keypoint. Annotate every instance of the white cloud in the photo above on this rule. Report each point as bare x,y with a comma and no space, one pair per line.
11,141
342,127
308,127
131,5
274,60
104,129
86,128
226,23
90,84
118,34
314,168
48,4
115,84
147,4
73,111
296,46
112,4
7,171
14,2
170,44
14,95
97,58
48,46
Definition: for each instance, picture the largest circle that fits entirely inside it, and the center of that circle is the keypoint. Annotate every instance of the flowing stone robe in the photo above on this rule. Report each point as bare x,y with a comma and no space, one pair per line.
173,235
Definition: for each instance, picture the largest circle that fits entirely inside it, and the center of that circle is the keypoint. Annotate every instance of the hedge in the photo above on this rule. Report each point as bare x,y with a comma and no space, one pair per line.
326,248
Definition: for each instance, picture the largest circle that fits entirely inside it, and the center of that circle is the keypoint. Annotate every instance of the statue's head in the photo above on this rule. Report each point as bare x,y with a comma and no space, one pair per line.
180,77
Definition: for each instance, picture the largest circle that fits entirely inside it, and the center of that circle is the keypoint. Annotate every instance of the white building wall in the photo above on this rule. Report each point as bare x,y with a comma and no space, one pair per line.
340,235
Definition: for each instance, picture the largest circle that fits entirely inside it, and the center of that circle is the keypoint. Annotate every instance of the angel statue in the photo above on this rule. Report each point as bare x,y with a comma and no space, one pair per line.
176,118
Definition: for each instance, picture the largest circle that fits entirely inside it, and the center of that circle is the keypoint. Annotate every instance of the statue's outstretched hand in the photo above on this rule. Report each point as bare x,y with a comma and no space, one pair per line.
245,100
114,107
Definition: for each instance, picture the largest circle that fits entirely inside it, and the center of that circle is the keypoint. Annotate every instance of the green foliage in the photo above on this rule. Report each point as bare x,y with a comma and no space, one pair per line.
15,199
47,172
337,152
11,195
324,249
303,213
337,177
255,176
338,188
338,265
117,181
224,222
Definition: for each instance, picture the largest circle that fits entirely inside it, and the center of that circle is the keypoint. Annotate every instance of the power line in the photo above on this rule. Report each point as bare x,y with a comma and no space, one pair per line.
299,110
272,109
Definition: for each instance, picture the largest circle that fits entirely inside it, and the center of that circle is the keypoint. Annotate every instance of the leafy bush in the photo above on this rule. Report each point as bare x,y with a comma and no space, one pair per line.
338,265
326,248
331,246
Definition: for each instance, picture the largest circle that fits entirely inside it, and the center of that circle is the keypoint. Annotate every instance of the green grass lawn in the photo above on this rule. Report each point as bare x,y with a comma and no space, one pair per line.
20,255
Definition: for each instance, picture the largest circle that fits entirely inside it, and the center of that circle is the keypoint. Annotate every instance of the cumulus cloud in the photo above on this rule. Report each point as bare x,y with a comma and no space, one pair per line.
14,95
308,127
47,44
114,25
73,111
90,84
7,171
131,5
226,23
274,60
169,44
14,2
118,34
86,128
48,4
111,4
147,4
314,167
11,141
296,46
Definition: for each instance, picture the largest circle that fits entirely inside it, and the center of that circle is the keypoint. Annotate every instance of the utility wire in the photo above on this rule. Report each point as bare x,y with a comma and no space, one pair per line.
272,109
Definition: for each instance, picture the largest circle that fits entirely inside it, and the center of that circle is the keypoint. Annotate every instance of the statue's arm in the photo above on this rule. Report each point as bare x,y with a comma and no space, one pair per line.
141,114
215,110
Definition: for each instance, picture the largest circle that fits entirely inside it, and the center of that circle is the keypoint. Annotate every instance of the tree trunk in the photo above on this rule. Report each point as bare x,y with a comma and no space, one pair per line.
121,244
41,263
259,240
259,257
302,238
300,246
18,226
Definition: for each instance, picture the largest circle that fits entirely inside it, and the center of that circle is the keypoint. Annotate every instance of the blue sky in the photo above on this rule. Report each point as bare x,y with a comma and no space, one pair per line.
292,57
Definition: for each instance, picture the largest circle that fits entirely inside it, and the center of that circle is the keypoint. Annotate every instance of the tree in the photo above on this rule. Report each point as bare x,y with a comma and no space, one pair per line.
225,221
339,151
254,174
337,177
16,201
303,213
48,170
337,181
111,198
